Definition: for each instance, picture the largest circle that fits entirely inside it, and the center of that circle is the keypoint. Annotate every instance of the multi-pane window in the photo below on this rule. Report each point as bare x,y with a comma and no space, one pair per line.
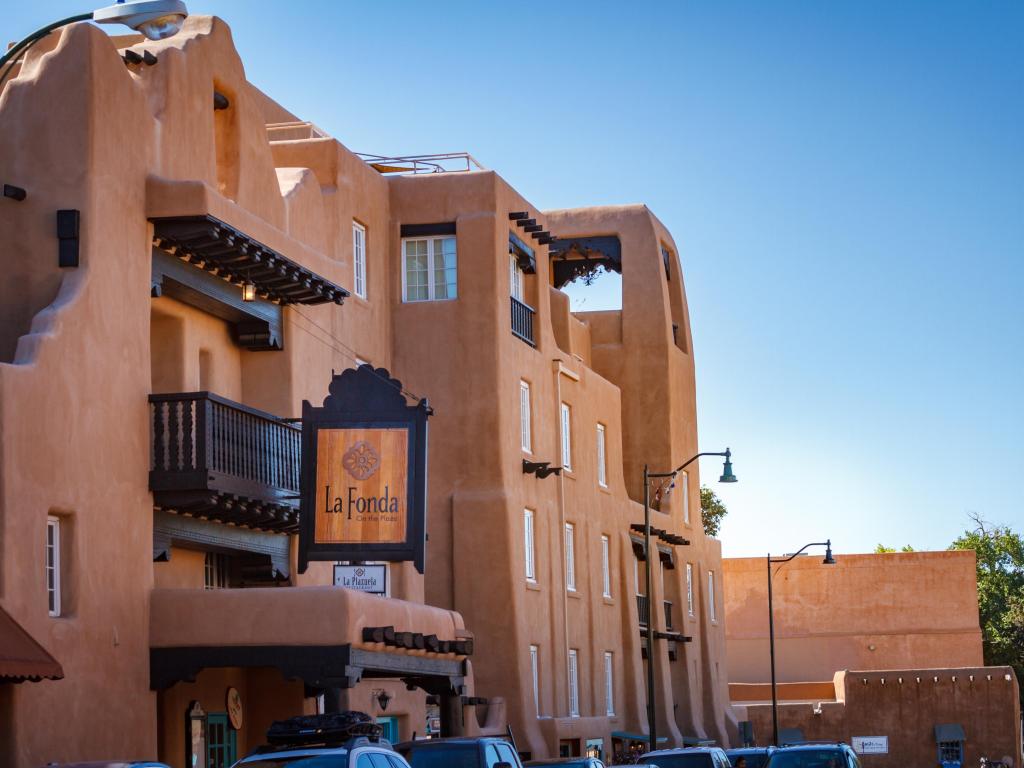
951,752
359,258
602,465
53,565
216,571
609,685
429,269
524,417
531,572
606,568
574,688
566,437
535,672
570,558
711,595
515,278
689,588
685,481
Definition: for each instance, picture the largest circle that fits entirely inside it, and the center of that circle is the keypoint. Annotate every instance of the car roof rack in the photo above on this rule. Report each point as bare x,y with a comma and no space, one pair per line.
336,729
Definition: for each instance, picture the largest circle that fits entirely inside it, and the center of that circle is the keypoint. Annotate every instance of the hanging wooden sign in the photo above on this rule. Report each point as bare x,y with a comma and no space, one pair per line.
364,472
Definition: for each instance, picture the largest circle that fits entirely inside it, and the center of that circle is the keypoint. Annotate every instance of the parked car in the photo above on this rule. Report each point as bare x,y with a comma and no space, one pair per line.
459,752
111,764
687,757
337,740
755,757
814,755
566,762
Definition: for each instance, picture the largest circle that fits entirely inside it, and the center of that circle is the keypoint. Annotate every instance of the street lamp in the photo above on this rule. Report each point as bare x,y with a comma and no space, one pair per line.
156,19
829,560
727,477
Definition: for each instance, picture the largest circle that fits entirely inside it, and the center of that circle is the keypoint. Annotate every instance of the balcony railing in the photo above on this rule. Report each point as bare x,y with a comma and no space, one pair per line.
522,321
643,609
668,615
211,457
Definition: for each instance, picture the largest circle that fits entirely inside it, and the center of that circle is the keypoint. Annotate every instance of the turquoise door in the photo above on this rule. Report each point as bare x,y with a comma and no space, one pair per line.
390,728
221,741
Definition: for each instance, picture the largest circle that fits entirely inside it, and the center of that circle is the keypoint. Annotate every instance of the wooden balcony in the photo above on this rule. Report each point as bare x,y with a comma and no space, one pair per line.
522,321
219,460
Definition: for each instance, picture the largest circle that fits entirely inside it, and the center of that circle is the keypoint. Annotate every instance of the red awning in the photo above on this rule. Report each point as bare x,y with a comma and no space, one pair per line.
21,657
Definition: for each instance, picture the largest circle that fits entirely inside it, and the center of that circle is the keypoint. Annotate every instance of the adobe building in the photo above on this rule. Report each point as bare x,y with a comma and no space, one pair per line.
188,263
882,651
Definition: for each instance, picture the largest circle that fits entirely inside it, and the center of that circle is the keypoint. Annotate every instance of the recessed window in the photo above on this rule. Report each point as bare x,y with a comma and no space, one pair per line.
53,565
602,465
429,269
609,685
216,572
515,278
711,596
528,529
526,439
685,482
574,688
535,672
359,258
606,568
570,558
566,437
689,588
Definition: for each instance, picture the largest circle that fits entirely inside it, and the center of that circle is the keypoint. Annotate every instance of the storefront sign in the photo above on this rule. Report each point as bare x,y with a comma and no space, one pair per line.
364,470
871,745
233,702
365,578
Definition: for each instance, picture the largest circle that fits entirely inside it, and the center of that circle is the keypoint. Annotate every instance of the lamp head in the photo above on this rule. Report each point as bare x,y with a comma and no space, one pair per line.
383,699
727,475
156,19
829,560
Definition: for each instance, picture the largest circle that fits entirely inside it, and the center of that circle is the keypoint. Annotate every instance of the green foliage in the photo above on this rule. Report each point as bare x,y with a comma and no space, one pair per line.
881,549
712,510
1000,553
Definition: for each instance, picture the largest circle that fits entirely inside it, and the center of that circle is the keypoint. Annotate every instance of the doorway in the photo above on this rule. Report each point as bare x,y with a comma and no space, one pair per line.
221,741
569,748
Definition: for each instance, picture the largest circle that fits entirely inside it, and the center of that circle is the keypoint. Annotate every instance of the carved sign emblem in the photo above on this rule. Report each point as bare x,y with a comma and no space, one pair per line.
361,460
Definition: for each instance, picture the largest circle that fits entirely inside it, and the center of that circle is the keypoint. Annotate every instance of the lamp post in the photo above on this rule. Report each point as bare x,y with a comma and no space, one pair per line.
727,477
829,560
156,19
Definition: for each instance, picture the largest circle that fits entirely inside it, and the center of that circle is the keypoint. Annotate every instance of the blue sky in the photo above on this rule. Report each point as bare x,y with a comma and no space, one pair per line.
845,182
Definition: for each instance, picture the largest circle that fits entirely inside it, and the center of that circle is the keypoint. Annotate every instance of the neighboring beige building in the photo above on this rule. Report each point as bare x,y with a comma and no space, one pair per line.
149,469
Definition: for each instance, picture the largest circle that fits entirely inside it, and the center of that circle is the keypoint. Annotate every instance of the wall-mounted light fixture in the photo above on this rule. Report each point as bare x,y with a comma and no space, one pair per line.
383,699
248,291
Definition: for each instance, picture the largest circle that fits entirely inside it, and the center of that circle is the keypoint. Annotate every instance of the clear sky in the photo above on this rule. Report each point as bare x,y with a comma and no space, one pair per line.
844,180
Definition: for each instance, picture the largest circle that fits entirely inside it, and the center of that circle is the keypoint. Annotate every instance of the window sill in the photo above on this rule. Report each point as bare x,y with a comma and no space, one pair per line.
604,489
568,473
360,299
607,600
574,594
533,585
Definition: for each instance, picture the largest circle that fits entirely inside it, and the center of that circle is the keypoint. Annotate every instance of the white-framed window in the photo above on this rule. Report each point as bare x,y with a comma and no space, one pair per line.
685,482
566,437
606,567
609,685
429,270
216,571
359,258
711,596
570,558
574,688
602,464
535,673
636,575
689,588
528,543
53,565
515,278
526,438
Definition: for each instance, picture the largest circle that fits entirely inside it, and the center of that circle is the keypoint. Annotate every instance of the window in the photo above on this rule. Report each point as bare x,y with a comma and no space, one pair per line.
53,564
711,595
216,572
429,272
359,258
686,498
609,686
570,559
602,469
574,689
951,752
535,672
531,573
606,570
515,276
689,588
566,439
524,416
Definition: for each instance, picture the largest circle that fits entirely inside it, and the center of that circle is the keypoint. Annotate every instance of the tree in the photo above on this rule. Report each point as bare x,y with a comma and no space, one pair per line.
712,510
1000,554
881,549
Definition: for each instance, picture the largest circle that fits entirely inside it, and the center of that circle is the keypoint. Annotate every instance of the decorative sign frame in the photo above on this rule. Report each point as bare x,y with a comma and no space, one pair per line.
364,472
870,745
363,578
